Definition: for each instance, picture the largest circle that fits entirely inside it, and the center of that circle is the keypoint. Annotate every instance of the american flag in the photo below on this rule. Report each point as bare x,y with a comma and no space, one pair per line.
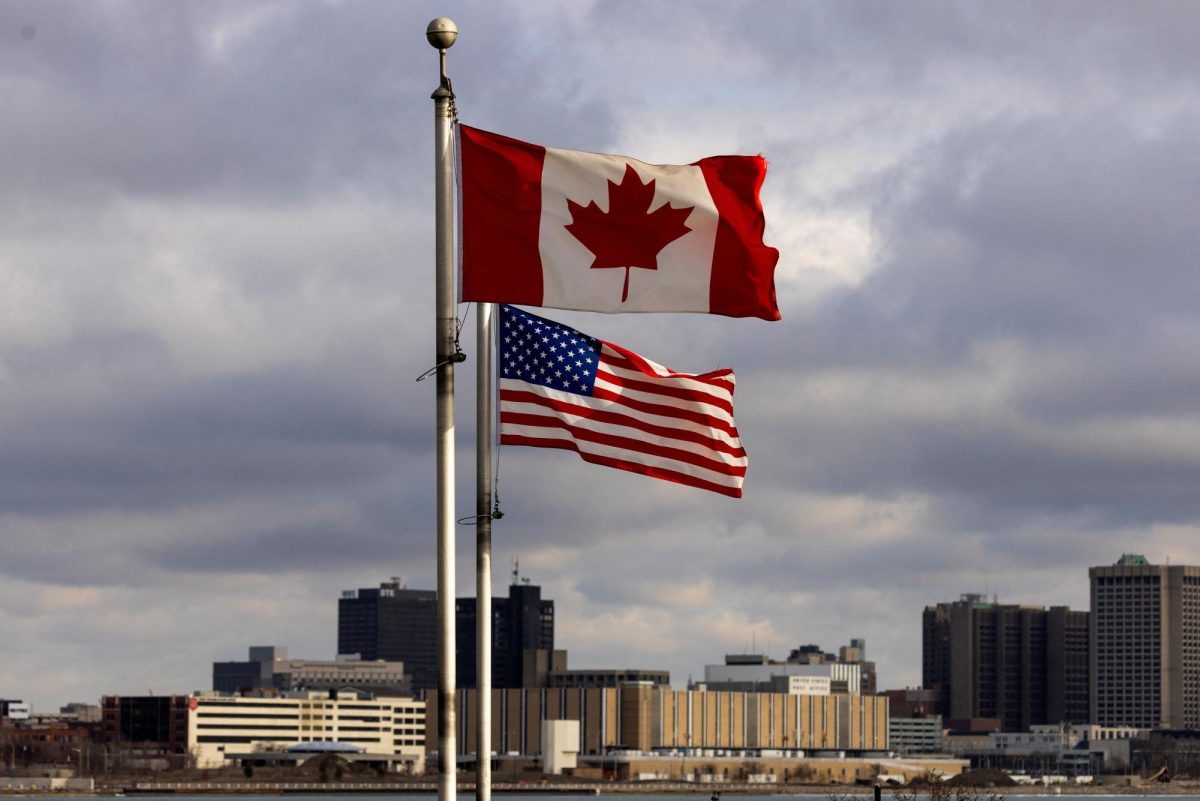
560,388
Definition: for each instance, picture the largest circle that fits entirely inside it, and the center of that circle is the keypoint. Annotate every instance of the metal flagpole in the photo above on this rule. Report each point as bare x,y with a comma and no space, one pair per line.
442,33
484,437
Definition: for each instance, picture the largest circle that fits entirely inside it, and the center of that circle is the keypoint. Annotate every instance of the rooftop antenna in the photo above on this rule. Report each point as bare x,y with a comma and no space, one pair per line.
516,574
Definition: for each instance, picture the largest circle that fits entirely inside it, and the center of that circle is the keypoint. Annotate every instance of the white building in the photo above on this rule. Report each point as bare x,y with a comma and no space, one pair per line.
754,676
560,745
15,710
1070,749
221,724
1046,739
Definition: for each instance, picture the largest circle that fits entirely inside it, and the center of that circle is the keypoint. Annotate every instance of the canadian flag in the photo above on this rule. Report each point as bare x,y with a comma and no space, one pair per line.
572,230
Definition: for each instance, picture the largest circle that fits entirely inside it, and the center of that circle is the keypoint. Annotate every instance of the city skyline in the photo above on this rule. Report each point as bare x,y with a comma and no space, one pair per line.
216,253
858,646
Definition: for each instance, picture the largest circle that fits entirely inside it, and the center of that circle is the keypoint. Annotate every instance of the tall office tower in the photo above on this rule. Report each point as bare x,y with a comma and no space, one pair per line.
394,624
521,622
398,624
1068,669
1145,636
1024,665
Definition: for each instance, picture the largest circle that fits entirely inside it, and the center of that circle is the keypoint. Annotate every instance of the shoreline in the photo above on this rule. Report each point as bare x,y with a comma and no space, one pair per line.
835,792
229,785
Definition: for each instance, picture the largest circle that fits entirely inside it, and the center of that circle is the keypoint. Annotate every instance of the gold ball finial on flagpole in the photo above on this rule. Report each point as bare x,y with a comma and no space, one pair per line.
442,33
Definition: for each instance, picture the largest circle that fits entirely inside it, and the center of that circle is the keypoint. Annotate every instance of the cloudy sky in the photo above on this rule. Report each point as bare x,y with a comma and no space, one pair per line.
216,292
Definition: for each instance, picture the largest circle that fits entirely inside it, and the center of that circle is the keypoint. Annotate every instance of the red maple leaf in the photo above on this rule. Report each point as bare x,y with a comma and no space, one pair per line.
628,234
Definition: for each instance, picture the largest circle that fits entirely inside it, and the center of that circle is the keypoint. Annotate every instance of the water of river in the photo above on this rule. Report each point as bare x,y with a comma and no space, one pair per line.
468,796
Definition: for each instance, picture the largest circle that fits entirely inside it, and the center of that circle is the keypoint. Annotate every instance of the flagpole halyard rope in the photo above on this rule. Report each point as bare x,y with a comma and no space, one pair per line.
497,513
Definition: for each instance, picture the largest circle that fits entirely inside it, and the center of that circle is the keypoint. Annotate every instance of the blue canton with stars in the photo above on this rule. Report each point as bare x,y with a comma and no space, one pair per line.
544,352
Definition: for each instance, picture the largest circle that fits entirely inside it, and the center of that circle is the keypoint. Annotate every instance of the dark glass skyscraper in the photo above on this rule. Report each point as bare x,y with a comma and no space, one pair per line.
401,624
521,622
392,623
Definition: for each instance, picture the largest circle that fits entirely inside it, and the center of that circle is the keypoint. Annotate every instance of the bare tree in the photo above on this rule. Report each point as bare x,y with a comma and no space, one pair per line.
932,784
845,797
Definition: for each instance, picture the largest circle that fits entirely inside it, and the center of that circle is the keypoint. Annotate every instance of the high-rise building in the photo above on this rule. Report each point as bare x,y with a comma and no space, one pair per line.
1068,669
394,624
1145,644
397,624
521,622
1023,665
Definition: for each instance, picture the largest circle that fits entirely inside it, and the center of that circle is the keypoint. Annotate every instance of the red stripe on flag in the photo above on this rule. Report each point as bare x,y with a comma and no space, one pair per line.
622,357
631,444
664,426
664,387
501,217
667,411
621,464
743,270
511,396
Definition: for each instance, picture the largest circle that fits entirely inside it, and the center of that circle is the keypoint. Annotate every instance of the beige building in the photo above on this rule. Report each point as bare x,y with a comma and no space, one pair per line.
647,718
765,768
269,668
221,725
1145,644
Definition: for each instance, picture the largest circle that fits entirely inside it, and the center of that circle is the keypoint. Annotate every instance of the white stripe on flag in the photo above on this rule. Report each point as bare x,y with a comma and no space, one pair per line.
628,428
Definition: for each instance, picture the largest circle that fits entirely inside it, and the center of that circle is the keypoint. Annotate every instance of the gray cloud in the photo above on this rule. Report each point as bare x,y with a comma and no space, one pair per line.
215,250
